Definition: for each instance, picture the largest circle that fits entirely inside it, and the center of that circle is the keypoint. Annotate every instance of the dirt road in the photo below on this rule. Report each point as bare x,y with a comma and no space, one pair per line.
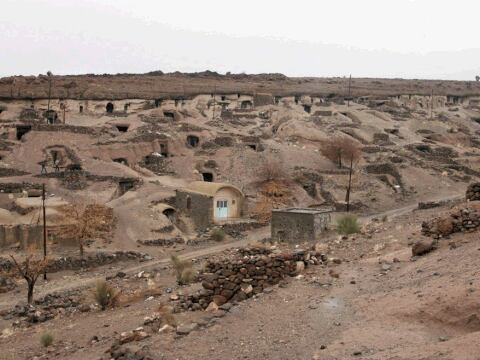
88,282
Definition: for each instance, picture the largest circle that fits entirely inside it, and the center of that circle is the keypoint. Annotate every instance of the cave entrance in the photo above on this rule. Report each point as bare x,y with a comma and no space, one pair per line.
122,128
252,146
80,109
193,140
122,161
51,116
109,107
207,176
246,104
22,130
170,213
169,115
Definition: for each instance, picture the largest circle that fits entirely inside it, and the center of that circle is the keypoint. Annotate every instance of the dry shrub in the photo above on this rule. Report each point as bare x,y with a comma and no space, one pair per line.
106,295
348,224
217,235
272,195
271,170
46,339
183,270
167,315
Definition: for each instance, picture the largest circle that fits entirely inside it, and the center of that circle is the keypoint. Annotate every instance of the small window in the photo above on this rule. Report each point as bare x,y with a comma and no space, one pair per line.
189,202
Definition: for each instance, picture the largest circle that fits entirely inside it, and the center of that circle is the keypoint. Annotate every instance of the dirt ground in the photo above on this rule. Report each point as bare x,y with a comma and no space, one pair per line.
378,304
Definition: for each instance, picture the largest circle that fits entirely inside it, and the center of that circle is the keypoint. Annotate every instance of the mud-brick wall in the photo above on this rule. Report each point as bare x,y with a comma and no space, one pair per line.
200,210
25,235
297,227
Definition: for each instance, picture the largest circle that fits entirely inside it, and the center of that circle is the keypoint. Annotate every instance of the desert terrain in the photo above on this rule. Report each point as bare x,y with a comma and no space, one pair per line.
133,165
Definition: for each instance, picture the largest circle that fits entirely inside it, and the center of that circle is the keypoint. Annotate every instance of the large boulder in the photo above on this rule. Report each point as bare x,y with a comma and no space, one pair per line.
423,247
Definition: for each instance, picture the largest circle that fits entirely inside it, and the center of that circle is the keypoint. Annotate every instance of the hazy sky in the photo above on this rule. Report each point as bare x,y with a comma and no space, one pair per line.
374,38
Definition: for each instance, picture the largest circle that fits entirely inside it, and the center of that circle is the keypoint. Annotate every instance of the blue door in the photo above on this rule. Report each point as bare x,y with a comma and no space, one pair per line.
221,210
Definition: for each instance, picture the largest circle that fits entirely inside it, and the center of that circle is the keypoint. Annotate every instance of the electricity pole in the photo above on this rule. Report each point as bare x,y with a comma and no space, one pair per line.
349,184
214,94
349,90
49,74
44,231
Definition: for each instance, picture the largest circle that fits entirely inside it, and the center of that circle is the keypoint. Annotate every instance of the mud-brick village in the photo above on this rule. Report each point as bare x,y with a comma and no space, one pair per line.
174,215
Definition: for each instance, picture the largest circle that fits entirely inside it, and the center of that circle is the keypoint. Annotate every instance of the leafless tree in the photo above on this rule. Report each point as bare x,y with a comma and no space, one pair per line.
339,149
30,269
477,78
87,222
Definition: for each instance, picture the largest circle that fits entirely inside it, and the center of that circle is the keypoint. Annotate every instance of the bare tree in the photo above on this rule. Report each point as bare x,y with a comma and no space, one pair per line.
339,149
477,78
354,157
87,222
30,269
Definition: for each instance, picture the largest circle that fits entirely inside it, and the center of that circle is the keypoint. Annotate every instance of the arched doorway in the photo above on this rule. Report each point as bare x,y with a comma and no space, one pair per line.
109,107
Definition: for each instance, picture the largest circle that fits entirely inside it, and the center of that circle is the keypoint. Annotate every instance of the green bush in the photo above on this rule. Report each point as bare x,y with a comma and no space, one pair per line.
217,235
105,295
348,224
183,269
46,339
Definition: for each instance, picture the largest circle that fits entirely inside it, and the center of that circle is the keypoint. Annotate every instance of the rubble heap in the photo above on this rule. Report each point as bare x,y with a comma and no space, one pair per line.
466,219
473,192
241,278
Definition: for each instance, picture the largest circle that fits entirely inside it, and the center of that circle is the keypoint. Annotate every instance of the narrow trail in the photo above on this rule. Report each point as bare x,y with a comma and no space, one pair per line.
90,282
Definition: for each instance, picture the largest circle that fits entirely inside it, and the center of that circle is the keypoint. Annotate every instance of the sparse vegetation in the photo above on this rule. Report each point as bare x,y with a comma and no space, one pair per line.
87,222
30,269
217,235
46,339
183,270
348,224
167,315
105,294
340,149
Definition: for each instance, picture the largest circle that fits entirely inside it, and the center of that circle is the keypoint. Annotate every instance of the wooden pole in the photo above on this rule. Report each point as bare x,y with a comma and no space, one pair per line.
44,230
349,184
49,91
349,90
214,94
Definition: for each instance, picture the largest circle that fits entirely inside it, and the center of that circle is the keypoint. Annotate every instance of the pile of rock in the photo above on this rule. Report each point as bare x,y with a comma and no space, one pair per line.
46,308
241,278
466,219
473,192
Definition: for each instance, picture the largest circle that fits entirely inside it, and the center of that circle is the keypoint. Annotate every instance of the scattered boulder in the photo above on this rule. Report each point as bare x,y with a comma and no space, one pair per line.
423,247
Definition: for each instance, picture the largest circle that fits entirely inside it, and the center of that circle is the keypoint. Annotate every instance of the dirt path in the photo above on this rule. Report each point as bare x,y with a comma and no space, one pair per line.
68,284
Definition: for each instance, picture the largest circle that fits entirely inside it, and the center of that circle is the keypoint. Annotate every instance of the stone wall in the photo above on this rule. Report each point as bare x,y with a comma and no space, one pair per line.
26,235
295,227
200,209
473,192
88,261
463,219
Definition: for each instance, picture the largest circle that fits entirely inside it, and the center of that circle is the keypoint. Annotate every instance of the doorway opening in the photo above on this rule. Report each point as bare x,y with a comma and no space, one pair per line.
109,107
207,176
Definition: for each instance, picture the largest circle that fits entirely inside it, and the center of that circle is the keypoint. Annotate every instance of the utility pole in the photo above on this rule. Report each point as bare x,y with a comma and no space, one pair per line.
349,184
431,105
214,94
349,91
44,231
49,74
